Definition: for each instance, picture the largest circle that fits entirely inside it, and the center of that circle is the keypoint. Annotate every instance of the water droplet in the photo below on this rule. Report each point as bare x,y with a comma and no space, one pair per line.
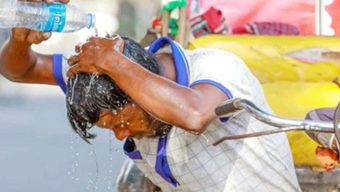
95,31
73,87
205,137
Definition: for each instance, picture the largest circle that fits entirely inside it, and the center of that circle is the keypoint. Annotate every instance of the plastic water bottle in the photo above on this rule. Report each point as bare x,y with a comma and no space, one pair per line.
56,17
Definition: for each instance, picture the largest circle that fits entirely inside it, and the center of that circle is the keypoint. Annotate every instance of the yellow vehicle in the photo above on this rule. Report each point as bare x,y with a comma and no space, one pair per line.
302,72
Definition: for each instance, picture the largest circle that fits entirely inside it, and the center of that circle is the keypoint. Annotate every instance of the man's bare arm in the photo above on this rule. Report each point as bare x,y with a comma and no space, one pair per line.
191,109
19,63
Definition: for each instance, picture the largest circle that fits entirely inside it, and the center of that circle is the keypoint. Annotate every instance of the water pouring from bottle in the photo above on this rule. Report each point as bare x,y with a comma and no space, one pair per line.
40,16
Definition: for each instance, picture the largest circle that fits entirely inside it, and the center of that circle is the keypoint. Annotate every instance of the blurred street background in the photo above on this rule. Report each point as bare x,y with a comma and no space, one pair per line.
38,150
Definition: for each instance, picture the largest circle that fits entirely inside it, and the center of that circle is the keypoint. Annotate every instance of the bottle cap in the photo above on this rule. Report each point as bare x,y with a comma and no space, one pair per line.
91,21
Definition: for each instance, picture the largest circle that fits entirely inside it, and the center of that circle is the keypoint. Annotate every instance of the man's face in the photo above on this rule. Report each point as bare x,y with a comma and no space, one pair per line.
131,121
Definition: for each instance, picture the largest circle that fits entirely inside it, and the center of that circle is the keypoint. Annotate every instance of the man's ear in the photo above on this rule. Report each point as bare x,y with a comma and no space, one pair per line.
119,44
150,36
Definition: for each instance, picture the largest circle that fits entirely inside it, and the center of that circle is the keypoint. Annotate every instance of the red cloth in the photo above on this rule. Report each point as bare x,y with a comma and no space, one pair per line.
156,22
210,22
300,13
214,18
267,28
213,22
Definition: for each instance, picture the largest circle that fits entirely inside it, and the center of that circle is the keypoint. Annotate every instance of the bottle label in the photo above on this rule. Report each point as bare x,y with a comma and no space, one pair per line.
57,17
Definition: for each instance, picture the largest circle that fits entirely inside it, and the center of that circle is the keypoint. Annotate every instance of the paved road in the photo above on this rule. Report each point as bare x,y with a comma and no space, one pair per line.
39,152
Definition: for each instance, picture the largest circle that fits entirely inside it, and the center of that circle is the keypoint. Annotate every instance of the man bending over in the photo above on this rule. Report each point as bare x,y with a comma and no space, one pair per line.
166,115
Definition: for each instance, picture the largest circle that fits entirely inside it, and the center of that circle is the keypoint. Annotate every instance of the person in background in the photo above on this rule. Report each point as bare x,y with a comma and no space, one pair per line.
328,150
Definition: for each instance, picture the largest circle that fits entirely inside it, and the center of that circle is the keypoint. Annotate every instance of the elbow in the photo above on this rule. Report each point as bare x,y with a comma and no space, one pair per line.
196,122
15,65
10,77
11,72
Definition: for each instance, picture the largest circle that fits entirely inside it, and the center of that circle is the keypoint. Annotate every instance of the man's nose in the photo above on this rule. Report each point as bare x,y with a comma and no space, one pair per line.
121,133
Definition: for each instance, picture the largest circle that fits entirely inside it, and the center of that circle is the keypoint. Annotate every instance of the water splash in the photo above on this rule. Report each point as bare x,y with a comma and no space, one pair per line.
110,179
92,80
114,112
122,121
96,34
205,137
75,156
73,87
93,183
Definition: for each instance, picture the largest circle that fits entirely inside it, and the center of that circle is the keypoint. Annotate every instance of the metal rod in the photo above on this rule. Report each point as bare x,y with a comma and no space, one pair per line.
257,134
283,124
319,126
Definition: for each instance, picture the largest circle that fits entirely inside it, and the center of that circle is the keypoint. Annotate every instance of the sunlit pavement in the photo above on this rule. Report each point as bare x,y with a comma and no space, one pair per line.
39,151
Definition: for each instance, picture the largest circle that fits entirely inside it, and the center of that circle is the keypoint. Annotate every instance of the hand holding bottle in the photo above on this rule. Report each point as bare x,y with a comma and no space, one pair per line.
28,36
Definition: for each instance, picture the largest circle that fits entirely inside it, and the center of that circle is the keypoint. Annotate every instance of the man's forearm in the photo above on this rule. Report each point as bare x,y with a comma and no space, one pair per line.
16,59
161,97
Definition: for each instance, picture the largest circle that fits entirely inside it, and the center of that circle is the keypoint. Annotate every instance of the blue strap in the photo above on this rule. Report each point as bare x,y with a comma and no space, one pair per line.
182,77
219,86
129,150
58,71
162,166
181,63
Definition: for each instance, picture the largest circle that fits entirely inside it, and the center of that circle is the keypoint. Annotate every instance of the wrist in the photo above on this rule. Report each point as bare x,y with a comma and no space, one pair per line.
18,43
115,63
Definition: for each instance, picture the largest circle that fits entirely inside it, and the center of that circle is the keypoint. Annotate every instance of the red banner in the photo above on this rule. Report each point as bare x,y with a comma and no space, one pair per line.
301,13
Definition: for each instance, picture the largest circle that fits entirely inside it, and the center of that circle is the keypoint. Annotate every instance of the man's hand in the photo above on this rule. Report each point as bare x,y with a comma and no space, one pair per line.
19,63
97,55
328,158
28,36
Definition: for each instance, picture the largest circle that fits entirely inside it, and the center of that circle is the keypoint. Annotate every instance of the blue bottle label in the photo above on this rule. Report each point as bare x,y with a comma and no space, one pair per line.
57,17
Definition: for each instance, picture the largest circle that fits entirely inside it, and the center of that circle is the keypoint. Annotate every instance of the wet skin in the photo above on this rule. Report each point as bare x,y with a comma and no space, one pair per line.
158,95
131,121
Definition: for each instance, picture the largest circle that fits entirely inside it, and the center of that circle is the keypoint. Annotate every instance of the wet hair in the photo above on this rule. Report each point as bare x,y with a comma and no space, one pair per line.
89,94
